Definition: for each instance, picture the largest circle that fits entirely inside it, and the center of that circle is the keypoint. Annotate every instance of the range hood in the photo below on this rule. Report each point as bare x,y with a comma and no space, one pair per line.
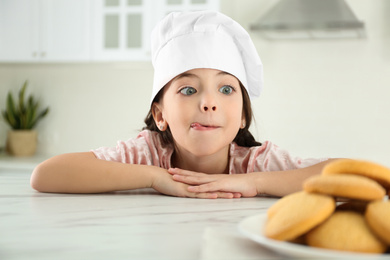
309,19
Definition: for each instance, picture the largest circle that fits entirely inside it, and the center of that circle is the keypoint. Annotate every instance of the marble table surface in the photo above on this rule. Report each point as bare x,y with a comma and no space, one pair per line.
138,224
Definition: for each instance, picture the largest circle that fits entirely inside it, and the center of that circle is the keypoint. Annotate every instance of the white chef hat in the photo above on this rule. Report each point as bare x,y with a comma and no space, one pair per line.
204,39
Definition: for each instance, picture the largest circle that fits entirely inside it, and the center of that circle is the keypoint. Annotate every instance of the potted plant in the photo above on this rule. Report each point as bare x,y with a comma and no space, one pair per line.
22,117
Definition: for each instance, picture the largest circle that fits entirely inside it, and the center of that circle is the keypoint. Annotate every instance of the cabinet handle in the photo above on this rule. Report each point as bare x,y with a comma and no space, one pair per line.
34,54
43,54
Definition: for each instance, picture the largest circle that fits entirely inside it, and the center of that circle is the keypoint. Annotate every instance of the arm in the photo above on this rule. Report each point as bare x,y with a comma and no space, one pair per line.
84,173
277,183
282,183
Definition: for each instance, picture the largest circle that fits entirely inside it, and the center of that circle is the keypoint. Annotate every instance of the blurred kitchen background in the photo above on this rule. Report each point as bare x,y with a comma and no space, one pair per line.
326,94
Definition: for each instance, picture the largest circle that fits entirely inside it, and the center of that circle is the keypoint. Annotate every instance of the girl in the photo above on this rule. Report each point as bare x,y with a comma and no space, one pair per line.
196,142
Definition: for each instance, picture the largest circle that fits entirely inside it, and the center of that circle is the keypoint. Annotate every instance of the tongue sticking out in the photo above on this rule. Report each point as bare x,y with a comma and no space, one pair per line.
198,126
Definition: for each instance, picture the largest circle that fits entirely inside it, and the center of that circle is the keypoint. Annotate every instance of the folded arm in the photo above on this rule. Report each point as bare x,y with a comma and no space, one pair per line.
84,173
276,183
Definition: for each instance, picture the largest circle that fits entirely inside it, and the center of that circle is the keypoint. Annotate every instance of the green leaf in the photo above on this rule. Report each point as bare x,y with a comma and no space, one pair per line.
6,117
11,113
39,117
23,120
45,112
31,111
21,98
25,115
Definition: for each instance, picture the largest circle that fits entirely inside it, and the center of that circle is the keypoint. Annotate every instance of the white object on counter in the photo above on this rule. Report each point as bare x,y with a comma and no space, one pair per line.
221,245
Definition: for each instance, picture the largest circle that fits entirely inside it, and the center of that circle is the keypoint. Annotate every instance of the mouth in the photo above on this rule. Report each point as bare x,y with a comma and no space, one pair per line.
203,127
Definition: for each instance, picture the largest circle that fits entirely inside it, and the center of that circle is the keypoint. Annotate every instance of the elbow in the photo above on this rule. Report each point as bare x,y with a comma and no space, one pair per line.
37,180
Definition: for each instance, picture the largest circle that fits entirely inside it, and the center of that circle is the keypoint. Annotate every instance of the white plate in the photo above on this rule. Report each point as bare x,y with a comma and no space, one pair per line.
252,227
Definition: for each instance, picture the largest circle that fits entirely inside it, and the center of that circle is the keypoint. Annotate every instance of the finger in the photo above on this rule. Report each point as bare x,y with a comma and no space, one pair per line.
207,187
225,195
184,172
237,195
213,187
221,194
213,195
204,195
193,180
173,171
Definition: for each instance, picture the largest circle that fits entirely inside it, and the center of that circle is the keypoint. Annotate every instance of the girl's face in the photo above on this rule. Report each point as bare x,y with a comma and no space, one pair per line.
203,108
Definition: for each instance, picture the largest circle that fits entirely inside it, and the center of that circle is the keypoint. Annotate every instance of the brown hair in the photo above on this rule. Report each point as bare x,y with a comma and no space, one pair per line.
243,137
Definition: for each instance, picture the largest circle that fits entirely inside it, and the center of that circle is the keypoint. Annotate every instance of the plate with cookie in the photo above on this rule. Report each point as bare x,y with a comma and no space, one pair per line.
344,212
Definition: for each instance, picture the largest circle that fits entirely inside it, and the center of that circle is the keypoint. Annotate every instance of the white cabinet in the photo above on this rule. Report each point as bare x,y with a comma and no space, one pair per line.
44,30
18,22
84,30
122,27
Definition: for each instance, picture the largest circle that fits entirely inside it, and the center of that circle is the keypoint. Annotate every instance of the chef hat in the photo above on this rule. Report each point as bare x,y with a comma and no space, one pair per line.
204,39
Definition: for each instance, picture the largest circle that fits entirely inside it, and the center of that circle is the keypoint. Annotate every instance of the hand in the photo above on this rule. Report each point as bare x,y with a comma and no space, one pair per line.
163,182
237,184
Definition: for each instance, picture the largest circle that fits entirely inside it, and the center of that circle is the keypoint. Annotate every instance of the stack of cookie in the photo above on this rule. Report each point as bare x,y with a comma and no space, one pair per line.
361,223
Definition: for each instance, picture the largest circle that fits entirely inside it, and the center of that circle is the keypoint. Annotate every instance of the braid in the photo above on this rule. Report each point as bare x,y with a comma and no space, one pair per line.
244,136
246,139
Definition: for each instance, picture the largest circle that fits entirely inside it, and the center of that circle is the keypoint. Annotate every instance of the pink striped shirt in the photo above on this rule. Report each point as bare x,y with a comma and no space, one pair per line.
147,149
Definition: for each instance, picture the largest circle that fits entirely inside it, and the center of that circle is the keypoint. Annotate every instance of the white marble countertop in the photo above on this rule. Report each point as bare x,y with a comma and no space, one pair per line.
8,162
124,225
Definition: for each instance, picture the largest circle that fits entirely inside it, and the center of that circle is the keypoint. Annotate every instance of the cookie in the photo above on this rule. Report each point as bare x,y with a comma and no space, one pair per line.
346,231
295,214
378,218
279,204
346,186
368,169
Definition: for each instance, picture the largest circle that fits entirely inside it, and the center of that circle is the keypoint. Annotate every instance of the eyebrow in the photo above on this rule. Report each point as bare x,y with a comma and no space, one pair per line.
187,74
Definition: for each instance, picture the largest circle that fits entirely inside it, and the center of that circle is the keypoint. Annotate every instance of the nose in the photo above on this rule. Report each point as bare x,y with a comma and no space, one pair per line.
208,103
206,108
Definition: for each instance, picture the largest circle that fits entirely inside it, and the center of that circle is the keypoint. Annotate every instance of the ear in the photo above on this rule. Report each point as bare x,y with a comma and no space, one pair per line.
157,112
243,121
243,124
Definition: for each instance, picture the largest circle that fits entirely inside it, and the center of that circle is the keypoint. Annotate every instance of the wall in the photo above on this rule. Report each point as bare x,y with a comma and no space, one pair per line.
328,98
321,98
91,105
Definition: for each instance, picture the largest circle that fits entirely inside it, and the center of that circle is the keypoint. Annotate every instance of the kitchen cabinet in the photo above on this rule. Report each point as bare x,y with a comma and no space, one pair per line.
44,30
122,27
84,30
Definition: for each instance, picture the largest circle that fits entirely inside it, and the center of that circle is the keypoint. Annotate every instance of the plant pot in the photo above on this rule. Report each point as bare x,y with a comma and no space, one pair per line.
22,142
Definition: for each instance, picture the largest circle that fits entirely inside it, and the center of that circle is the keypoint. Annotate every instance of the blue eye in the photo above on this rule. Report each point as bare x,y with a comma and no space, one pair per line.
188,91
226,89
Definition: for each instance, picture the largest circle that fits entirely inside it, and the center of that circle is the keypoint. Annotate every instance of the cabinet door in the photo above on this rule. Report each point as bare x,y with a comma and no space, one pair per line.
65,30
190,5
121,27
44,30
19,30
